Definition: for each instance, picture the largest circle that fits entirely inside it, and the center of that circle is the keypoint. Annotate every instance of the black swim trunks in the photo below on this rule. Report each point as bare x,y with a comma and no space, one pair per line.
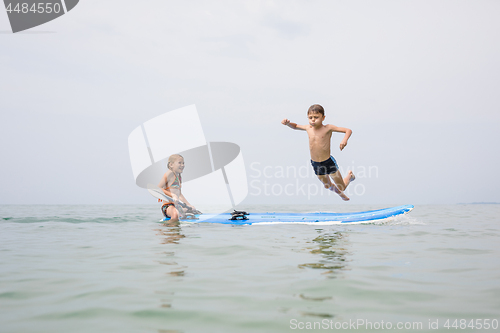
326,167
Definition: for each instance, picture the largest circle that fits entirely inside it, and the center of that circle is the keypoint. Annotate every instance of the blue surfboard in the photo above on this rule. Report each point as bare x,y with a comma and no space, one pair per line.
244,218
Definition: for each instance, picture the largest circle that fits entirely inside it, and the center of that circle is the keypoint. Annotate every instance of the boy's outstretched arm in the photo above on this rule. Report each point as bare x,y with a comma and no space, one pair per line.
287,122
347,135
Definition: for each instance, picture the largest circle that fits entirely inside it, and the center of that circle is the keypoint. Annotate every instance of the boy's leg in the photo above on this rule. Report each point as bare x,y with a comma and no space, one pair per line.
325,179
342,183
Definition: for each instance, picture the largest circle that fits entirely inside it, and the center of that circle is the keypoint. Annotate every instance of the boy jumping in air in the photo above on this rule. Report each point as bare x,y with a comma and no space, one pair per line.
323,163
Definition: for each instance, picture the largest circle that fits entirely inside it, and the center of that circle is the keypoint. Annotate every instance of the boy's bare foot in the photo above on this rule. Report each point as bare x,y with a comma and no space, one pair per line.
351,176
339,192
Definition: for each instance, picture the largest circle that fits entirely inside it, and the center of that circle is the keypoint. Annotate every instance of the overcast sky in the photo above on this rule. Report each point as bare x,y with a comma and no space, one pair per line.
418,82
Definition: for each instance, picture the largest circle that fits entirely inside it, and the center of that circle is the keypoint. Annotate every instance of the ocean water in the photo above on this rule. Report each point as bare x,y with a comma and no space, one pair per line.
116,269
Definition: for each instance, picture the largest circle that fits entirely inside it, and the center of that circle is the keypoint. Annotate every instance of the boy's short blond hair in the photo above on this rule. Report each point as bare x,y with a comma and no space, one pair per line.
172,159
316,108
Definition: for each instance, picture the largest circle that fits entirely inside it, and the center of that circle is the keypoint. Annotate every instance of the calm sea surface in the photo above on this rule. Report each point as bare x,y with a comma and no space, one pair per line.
116,269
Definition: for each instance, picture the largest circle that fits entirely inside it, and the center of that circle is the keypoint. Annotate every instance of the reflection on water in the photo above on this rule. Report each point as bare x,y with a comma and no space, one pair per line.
330,246
170,233
315,298
176,273
327,252
318,315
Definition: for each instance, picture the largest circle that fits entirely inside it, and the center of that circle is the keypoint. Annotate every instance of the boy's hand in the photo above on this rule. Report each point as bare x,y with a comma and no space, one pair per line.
343,144
285,122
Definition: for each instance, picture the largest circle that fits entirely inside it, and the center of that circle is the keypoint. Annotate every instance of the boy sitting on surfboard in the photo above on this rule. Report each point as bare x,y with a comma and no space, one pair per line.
323,163
171,186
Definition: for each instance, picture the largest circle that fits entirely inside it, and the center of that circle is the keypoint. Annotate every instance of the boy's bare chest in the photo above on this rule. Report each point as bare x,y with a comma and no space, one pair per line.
319,136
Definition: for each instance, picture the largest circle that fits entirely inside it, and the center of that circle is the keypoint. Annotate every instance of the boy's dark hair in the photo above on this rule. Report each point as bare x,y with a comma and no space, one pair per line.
316,108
